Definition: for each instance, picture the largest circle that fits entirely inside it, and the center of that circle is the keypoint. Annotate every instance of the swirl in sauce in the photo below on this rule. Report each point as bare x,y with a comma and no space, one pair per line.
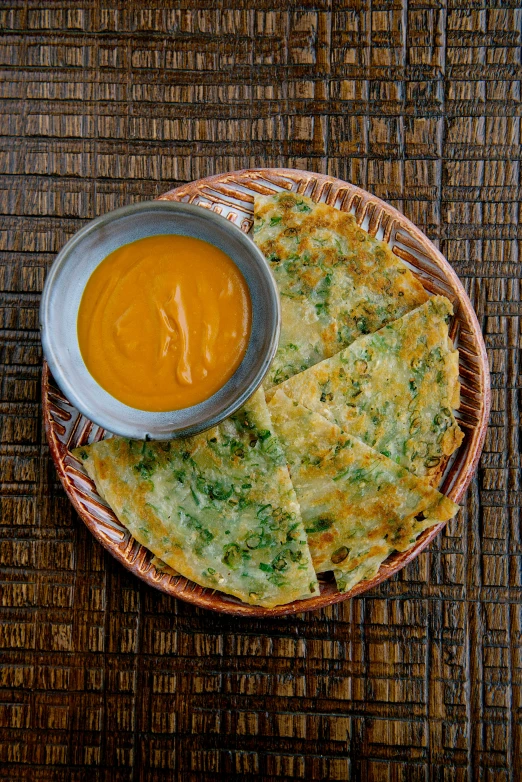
164,322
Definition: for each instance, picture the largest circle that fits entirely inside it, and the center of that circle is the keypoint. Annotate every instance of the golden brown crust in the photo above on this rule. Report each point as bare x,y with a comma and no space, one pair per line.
336,281
357,504
393,389
219,508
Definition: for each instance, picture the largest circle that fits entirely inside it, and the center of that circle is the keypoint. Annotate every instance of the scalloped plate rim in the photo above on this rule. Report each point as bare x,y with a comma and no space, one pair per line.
217,601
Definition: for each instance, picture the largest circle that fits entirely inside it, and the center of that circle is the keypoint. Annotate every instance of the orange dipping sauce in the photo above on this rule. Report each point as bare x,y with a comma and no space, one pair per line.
164,322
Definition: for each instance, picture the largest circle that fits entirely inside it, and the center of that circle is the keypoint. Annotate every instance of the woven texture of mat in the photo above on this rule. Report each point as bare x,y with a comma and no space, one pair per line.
103,679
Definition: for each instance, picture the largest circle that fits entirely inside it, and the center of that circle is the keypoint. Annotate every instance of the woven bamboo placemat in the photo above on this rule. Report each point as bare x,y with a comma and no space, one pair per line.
105,103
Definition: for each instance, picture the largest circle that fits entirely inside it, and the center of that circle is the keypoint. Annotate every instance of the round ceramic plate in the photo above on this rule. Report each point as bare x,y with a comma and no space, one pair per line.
231,195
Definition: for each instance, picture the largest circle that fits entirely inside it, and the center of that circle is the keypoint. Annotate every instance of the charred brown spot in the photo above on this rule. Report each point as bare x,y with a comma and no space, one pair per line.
326,537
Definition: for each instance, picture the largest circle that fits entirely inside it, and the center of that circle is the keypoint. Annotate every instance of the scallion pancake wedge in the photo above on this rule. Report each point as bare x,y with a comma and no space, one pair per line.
219,508
357,505
336,281
395,389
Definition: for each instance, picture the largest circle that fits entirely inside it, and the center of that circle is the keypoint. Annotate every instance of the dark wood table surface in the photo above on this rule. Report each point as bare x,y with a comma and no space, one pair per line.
106,103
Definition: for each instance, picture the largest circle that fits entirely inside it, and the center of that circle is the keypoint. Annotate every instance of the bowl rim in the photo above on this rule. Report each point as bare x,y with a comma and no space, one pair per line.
237,394
137,559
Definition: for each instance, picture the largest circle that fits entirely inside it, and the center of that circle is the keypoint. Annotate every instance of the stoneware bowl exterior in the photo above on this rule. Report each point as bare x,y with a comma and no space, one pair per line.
231,195
66,282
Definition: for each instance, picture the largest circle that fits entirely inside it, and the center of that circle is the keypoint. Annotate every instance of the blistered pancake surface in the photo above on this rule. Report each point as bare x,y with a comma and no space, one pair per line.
357,505
395,389
218,508
336,281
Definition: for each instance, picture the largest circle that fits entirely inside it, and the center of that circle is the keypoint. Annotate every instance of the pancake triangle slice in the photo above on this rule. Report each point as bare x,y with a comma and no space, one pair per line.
395,389
358,506
218,508
336,281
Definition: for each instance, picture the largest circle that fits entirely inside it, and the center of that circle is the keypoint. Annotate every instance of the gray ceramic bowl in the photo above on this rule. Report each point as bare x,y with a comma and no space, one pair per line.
64,288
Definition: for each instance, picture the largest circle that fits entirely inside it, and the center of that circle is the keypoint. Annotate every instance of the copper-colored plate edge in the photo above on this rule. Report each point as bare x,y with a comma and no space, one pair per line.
204,598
